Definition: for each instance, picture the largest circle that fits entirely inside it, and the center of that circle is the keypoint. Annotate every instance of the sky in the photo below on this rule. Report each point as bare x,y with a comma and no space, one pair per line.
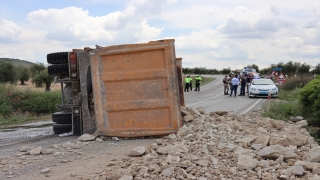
213,34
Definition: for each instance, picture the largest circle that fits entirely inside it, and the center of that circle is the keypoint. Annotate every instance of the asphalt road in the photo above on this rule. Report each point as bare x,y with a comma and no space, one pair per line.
211,97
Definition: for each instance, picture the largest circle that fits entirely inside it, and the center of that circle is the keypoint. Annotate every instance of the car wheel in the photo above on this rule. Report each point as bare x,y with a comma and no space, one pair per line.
62,128
62,117
58,58
58,69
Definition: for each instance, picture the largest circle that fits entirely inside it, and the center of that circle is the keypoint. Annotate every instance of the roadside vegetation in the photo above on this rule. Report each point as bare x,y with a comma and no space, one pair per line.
19,106
299,97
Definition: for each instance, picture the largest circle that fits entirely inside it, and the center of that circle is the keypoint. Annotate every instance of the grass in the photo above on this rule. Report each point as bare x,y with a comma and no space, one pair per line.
285,106
24,105
21,119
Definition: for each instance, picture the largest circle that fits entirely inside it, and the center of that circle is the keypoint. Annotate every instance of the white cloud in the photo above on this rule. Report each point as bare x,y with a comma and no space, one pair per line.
23,54
75,24
9,31
274,10
244,23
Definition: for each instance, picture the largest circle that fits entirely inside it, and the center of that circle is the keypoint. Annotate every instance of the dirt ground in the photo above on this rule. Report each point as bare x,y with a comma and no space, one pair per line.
32,87
68,159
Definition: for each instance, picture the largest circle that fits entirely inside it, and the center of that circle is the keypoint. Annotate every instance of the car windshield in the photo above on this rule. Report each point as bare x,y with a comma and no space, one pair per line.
263,82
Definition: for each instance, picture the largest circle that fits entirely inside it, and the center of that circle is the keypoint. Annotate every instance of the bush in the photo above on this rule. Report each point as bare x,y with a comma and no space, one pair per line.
296,82
309,97
14,100
40,102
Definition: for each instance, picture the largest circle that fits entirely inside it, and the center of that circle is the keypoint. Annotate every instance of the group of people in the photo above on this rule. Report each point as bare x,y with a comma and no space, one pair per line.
188,81
234,80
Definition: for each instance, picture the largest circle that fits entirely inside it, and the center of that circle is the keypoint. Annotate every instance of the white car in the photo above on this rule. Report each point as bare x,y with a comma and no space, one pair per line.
261,87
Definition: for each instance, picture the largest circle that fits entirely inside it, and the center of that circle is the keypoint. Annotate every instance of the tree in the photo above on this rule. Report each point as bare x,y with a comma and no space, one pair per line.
23,74
7,73
304,68
316,69
37,68
291,68
253,66
43,78
265,70
186,70
226,70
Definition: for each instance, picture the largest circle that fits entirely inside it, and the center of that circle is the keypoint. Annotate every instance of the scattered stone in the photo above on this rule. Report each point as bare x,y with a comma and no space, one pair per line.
35,151
138,151
202,162
172,136
298,170
26,149
184,130
256,146
316,169
126,177
44,171
115,138
188,118
296,119
275,151
276,124
287,140
86,137
201,110
246,163
46,151
99,140
263,140
168,171
3,162
193,110
221,113
76,146
56,146
313,155
303,123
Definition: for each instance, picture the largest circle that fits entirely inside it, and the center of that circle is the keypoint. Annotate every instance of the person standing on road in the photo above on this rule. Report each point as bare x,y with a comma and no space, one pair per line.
198,82
243,85
230,78
187,80
190,82
226,85
235,82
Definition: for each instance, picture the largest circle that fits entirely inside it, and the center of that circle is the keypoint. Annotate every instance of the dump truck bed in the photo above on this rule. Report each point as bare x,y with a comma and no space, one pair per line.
136,89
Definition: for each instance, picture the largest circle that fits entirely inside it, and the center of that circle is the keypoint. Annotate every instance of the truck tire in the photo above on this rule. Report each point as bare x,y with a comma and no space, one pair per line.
62,117
62,128
58,58
58,69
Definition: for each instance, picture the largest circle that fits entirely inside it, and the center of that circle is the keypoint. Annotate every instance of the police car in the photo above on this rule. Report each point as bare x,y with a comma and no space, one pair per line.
261,88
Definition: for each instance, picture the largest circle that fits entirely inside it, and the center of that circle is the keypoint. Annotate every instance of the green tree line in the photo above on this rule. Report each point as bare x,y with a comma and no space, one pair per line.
290,68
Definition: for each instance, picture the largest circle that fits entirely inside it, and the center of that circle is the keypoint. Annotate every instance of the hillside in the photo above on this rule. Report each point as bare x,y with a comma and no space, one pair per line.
17,62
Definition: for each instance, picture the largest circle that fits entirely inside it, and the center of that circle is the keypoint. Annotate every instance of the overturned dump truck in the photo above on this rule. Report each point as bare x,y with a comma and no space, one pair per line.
124,90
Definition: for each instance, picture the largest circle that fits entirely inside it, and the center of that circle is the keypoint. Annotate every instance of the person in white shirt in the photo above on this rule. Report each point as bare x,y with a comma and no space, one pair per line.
235,82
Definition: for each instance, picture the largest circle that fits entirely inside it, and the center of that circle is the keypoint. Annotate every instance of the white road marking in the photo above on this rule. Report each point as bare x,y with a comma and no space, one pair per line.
251,107
204,100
